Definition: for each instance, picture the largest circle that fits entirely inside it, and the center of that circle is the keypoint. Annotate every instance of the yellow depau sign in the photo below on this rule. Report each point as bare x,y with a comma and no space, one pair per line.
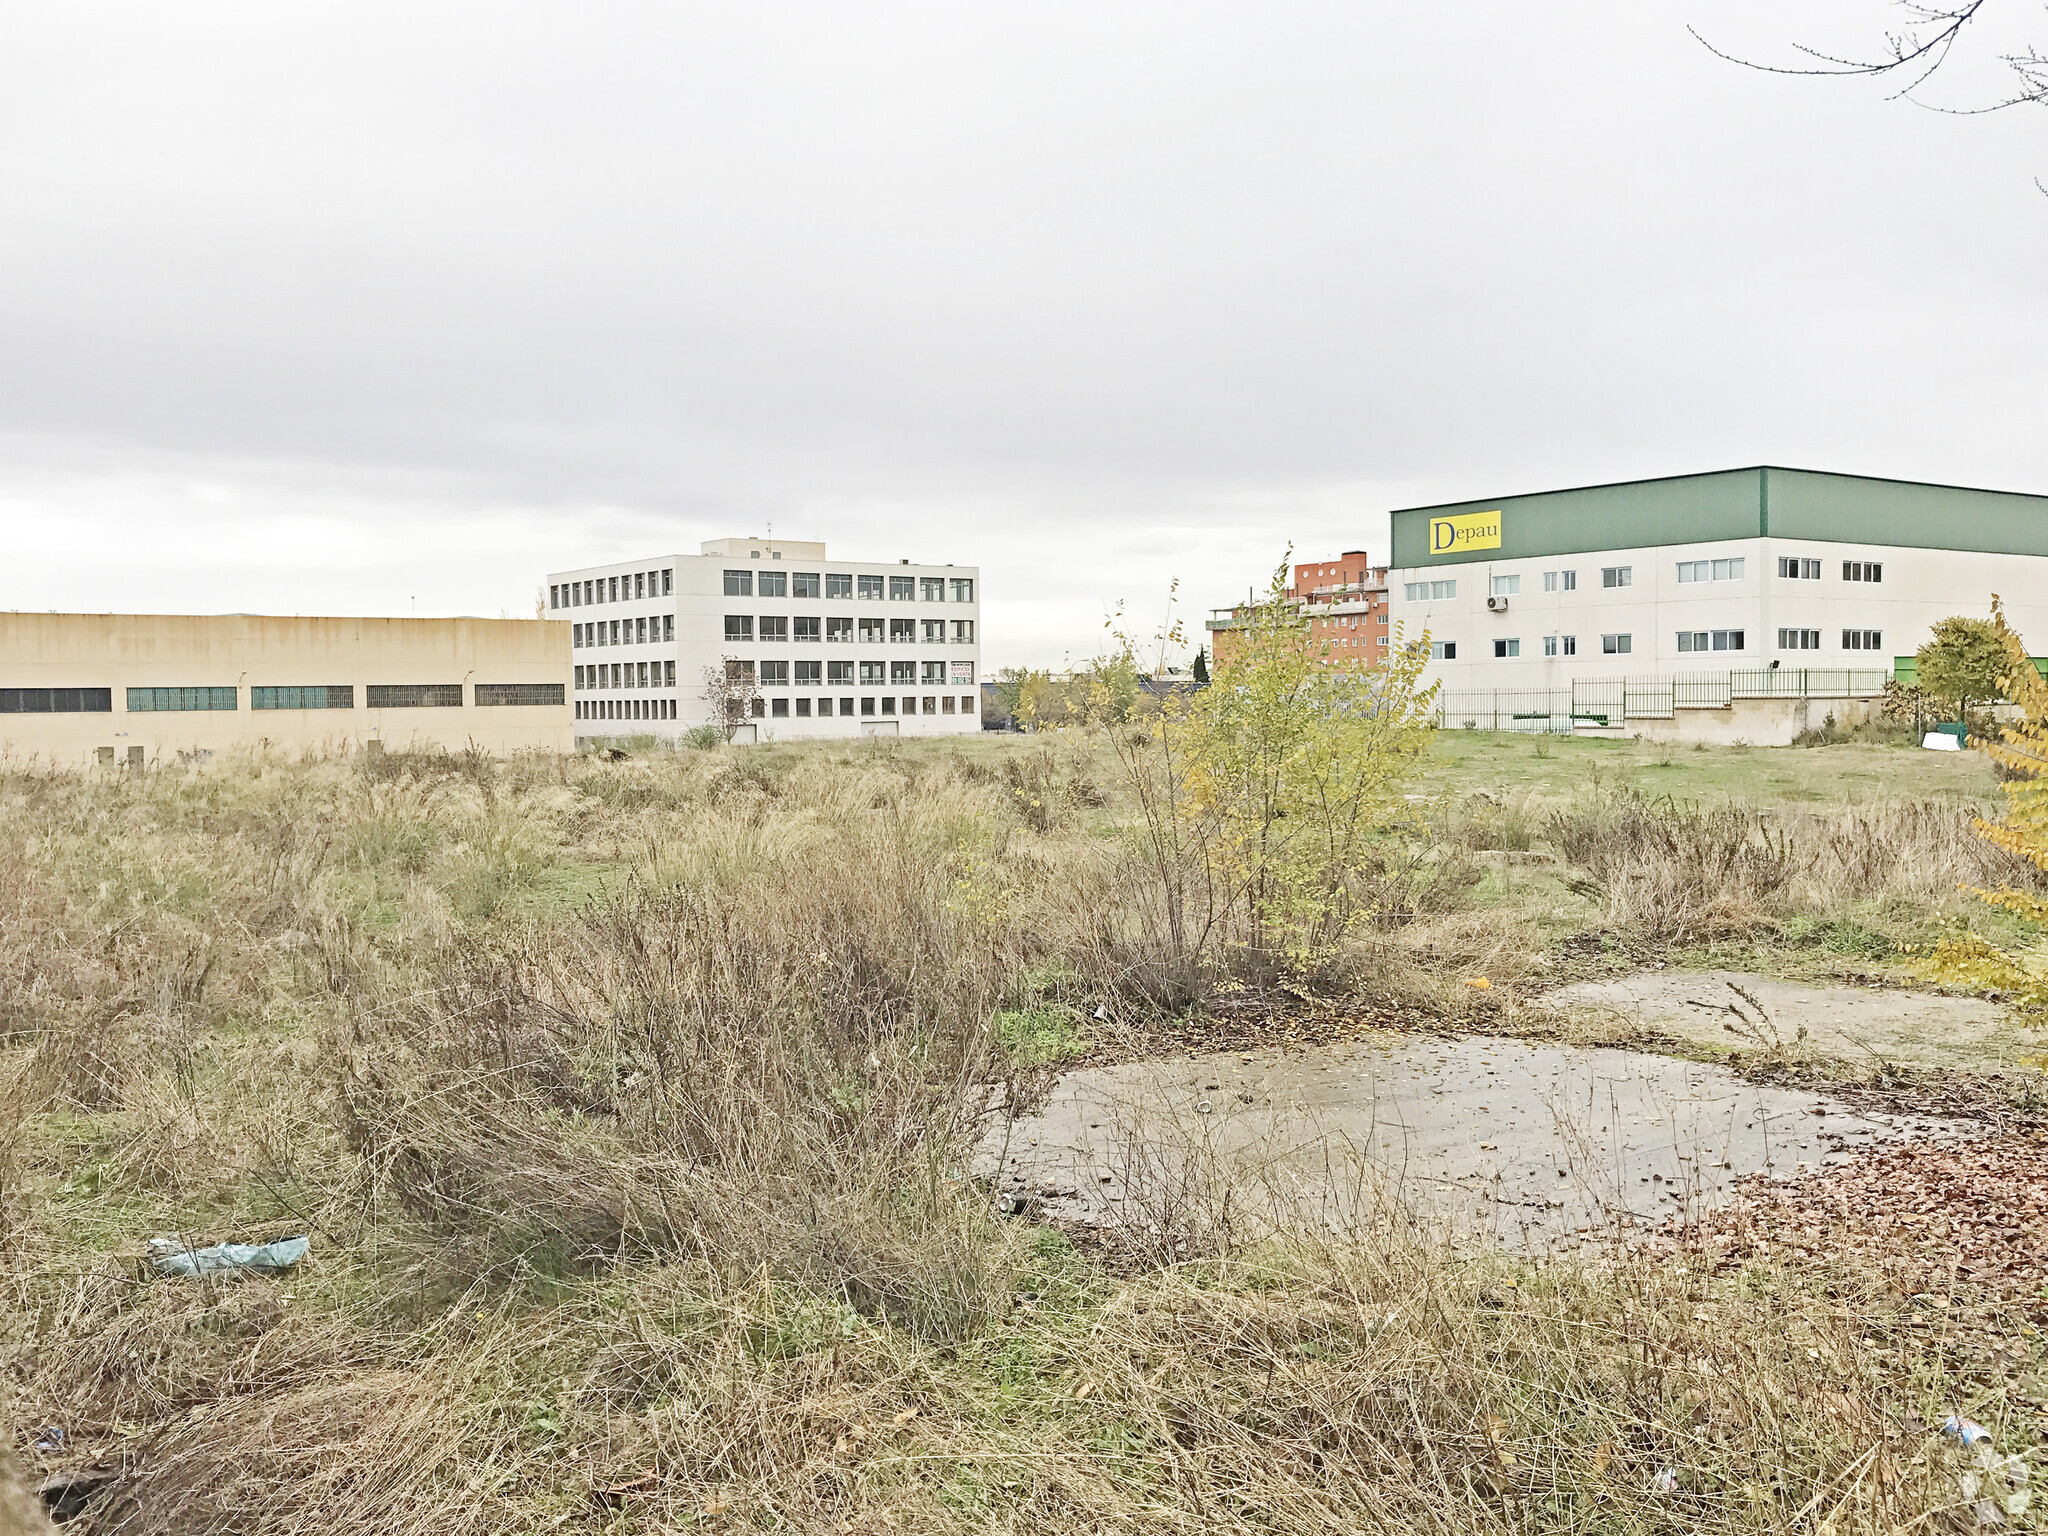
1464,530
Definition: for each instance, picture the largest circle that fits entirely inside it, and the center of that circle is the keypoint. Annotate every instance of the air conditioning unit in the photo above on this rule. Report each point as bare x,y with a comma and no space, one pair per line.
1496,605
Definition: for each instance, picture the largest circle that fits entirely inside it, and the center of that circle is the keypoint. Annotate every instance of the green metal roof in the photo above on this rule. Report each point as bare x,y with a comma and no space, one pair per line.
1739,504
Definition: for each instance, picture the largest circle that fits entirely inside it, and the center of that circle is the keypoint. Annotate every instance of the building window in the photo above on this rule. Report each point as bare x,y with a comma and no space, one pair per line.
804,629
902,589
1710,570
963,673
803,706
888,703
874,673
1617,575
871,588
576,637
1710,639
871,631
779,708
147,700
1505,648
1794,568
963,631
739,583
903,631
946,705
839,673
934,674
1862,570
668,581
1617,645
1568,644
739,671
739,626
668,672
774,674
774,629
760,708
640,631
809,673
963,589
1430,591
414,695
931,704
1862,639
805,584
867,706
1798,639
901,672
772,583
331,696
639,583
518,693
1550,645
932,588
1443,650
967,705
934,631
58,701
838,631
668,626
1507,586
839,584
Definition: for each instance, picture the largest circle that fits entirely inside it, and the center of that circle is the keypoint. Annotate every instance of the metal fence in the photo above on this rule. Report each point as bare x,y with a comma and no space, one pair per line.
1603,701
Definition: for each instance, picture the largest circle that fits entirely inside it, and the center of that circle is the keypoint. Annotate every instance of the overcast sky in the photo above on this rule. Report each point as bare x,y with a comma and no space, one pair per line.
357,308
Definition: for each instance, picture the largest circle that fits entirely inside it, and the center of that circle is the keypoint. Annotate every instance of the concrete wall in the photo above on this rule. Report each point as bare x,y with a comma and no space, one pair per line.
245,651
1754,722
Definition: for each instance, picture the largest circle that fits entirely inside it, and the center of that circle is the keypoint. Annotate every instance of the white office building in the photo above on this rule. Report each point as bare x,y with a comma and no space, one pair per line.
1619,606
836,648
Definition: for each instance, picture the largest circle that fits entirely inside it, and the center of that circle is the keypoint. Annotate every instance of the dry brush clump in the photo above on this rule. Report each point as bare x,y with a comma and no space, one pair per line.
1676,872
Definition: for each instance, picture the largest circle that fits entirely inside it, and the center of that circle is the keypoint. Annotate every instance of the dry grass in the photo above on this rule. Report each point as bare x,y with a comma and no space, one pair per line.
630,1107
1670,871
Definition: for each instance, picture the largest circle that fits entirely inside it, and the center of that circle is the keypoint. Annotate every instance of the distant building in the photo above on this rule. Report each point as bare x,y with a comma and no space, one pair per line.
140,688
836,648
1344,601
1745,603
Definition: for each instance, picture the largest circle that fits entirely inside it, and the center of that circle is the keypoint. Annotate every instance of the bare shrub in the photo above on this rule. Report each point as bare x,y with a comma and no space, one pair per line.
780,1072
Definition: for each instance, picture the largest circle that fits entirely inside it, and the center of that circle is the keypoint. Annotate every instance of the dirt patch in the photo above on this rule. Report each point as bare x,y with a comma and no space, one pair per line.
1844,1023
1497,1137
1937,1218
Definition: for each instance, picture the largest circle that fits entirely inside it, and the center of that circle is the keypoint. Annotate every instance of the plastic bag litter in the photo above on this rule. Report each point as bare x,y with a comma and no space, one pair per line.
1969,1431
167,1256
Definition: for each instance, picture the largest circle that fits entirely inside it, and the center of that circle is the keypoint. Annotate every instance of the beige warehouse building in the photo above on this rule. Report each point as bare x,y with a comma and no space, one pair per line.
79,688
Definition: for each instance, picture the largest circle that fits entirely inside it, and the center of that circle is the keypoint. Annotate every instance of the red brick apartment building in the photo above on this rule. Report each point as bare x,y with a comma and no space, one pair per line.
1345,600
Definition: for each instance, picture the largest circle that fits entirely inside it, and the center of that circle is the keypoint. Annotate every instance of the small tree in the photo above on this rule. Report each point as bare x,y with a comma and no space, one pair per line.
2021,754
1201,667
1964,661
730,694
1262,797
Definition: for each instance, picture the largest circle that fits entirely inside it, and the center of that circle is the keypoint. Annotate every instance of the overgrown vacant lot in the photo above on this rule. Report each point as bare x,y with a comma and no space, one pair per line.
629,1107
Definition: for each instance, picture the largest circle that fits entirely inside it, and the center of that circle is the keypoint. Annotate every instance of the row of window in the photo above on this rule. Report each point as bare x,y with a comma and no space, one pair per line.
650,630
836,674
775,628
1689,640
612,589
143,701
779,709
900,589
1800,568
1792,567
626,674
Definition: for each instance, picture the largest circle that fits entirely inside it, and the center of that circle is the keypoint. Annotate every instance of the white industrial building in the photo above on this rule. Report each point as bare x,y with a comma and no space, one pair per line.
1771,596
837,648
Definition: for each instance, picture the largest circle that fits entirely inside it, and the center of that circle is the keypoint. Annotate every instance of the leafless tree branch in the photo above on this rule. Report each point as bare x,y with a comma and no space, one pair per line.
1913,54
